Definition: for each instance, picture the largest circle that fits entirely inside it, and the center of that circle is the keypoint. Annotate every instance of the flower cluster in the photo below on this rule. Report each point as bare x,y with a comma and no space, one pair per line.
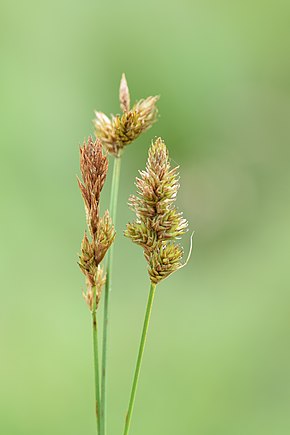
121,130
94,167
158,223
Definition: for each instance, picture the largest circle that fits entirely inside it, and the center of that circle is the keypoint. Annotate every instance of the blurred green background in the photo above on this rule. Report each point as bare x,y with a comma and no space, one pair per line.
217,360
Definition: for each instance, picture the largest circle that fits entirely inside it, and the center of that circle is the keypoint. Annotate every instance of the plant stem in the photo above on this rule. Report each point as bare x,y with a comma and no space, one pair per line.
139,358
113,212
96,359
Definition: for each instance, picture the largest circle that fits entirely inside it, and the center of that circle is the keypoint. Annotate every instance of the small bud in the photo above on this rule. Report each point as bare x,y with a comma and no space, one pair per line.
124,94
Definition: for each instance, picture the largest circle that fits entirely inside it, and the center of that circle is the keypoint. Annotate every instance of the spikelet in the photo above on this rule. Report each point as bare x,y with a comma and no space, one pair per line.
100,280
94,168
124,95
87,261
121,130
158,223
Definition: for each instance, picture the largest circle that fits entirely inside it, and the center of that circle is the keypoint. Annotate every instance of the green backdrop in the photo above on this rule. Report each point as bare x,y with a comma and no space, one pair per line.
217,360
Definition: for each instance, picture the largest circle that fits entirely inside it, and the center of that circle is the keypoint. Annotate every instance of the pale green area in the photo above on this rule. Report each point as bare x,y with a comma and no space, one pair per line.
217,360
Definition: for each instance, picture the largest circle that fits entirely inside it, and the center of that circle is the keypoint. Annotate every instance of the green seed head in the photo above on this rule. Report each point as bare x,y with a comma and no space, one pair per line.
158,222
122,130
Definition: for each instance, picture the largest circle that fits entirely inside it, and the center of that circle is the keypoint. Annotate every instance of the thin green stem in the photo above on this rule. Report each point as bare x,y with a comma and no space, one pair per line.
113,212
96,359
139,358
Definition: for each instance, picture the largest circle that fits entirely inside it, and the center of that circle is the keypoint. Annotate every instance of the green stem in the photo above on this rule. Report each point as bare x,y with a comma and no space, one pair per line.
96,358
113,212
139,358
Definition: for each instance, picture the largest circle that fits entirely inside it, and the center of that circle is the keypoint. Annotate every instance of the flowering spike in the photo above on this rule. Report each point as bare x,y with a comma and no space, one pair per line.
94,167
122,130
158,223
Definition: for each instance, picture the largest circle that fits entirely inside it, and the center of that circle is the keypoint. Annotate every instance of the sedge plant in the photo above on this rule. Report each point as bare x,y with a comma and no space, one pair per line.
157,228
116,133
94,168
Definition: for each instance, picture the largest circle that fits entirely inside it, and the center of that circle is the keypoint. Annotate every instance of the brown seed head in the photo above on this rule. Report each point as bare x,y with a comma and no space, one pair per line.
94,167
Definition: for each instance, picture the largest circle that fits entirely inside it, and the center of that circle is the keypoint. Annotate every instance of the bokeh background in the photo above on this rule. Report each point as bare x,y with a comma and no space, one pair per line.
217,360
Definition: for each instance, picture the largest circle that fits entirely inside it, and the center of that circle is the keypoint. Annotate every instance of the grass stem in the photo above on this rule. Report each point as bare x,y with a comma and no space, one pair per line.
139,358
113,213
96,359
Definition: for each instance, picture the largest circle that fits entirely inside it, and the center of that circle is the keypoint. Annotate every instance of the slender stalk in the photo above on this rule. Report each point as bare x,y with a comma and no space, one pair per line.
96,359
113,212
139,358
